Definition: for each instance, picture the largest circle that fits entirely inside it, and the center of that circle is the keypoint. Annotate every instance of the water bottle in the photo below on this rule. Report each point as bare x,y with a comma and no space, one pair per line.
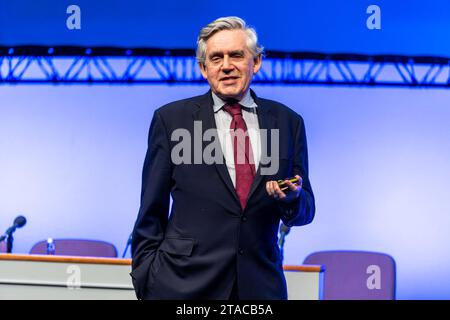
50,246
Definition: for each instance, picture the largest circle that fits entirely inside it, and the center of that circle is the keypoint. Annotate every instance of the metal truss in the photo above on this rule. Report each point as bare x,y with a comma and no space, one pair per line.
109,65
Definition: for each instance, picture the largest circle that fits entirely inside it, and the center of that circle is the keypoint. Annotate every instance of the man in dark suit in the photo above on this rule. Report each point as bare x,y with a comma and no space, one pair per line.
220,156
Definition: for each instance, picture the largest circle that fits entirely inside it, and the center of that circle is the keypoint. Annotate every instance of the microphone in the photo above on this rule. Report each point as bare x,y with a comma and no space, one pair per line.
19,222
284,230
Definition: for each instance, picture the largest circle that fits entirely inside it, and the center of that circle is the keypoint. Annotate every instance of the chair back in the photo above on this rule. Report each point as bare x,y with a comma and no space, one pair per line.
2,247
77,247
356,275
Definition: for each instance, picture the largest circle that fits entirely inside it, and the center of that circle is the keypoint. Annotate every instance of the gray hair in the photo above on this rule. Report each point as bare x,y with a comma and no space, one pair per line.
227,23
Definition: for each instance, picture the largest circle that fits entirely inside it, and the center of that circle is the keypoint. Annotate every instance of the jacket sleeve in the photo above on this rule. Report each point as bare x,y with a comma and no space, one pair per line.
301,210
152,218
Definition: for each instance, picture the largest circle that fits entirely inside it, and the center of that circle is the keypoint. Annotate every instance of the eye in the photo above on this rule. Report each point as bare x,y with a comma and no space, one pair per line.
237,55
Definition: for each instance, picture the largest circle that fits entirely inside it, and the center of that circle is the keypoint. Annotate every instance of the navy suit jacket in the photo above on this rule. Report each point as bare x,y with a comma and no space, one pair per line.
208,242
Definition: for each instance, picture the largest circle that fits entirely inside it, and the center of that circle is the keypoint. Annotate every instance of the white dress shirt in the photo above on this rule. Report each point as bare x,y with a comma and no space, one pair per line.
223,123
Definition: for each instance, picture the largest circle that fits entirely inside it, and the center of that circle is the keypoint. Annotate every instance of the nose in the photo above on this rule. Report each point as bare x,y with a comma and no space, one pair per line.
227,66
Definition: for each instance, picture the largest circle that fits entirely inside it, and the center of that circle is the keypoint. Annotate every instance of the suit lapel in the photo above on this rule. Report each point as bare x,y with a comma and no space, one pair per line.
205,113
268,122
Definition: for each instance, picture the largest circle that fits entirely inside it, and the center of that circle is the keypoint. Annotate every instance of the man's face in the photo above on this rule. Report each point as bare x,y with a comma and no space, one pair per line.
229,65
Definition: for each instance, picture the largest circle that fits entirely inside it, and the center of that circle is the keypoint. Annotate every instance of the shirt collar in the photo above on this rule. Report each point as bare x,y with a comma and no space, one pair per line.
247,101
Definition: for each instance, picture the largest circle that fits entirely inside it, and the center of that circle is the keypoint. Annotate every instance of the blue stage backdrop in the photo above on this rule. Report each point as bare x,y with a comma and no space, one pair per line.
414,27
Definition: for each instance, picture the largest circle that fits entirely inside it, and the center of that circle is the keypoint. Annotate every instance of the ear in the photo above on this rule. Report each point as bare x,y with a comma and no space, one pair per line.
203,70
257,63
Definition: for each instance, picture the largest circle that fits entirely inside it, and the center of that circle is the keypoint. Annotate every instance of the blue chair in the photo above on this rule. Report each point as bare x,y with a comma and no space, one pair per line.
356,275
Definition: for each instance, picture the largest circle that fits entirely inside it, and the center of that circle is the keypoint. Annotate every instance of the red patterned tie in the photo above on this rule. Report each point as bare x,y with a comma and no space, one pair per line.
243,154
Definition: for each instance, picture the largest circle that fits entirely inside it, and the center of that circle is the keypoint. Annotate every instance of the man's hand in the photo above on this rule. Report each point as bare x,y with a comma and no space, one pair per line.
293,191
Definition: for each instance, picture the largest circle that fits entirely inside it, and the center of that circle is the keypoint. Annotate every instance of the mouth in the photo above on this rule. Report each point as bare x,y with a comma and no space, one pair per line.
229,79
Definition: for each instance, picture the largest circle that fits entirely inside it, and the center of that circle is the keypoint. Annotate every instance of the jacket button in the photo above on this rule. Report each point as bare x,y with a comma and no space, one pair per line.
244,218
241,251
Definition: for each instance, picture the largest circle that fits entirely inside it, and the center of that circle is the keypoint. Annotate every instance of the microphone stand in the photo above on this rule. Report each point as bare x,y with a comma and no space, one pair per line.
281,245
284,230
128,244
9,243
9,239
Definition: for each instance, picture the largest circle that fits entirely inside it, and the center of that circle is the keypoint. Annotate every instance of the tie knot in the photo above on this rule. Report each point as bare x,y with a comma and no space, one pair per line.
233,109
